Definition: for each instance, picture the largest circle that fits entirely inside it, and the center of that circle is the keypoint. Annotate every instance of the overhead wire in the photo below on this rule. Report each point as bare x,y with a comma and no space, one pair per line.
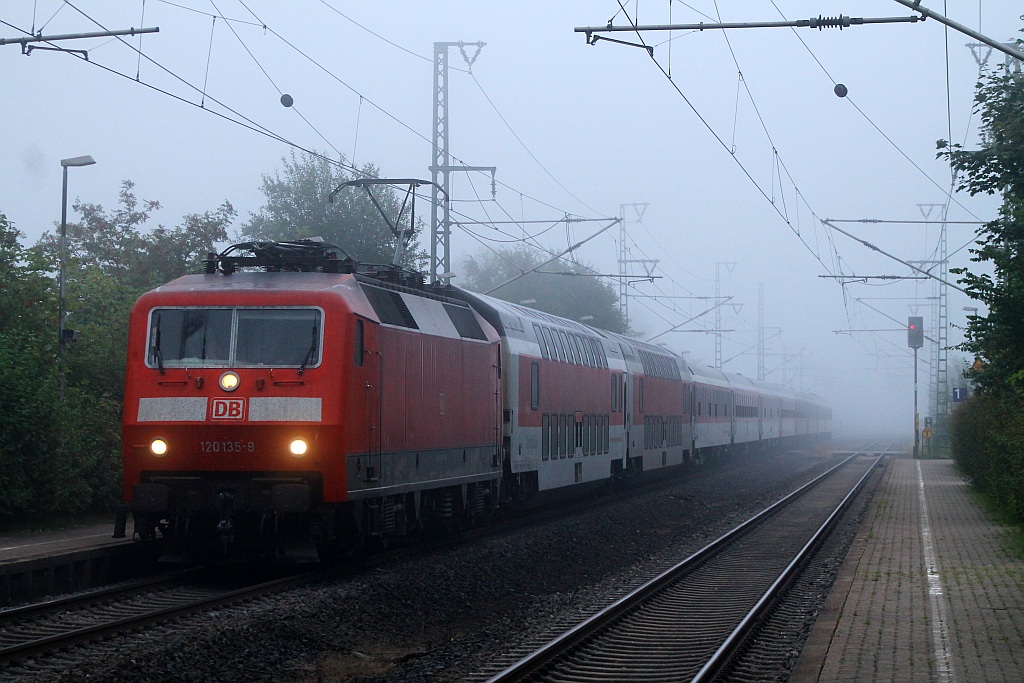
523,144
722,143
869,119
384,111
776,159
280,92
253,125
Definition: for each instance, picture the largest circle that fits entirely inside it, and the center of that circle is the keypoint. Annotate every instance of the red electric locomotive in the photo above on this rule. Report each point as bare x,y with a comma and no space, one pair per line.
305,405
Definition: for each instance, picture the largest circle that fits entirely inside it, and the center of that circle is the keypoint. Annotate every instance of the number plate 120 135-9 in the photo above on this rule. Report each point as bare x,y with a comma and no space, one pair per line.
227,447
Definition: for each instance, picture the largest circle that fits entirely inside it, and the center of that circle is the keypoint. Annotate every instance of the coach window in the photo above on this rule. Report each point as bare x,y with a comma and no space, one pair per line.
545,427
359,344
534,385
563,426
549,343
567,343
563,346
554,438
540,341
579,349
586,434
593,434
556,347
568,346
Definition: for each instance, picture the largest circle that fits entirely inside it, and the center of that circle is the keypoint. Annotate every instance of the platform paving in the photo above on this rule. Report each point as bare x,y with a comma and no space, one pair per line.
928,592
22,545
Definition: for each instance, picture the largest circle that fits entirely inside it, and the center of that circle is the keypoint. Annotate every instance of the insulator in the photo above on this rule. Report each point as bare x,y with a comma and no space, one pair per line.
821,22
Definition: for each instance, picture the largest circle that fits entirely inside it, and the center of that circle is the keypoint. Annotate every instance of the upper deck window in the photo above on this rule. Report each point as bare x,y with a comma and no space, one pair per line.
238,337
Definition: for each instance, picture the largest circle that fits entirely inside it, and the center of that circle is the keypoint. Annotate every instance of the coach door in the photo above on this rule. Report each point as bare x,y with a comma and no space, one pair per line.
760,417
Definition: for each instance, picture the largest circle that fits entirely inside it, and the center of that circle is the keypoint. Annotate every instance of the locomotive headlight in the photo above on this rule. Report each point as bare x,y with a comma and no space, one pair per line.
158,447
229,381
298,447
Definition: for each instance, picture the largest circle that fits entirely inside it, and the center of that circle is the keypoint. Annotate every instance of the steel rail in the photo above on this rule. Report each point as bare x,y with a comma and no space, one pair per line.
725,652
75,635
544,655
8,614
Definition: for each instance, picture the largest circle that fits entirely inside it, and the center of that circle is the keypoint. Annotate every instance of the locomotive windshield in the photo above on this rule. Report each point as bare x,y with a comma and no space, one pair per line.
198,337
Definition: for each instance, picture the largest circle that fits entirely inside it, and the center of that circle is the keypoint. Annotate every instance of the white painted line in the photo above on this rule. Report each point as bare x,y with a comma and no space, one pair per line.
59,540
936,596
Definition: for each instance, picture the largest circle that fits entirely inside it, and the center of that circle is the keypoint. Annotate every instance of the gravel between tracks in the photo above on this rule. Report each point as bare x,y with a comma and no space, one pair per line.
453,615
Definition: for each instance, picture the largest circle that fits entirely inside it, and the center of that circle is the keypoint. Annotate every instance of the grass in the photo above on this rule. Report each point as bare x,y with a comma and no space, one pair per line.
996,510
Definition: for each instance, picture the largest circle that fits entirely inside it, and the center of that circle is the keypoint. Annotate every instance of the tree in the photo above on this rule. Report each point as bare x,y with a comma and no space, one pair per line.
297,207
55,455
987,431
997,167
60,452
28,297
565,289
112,259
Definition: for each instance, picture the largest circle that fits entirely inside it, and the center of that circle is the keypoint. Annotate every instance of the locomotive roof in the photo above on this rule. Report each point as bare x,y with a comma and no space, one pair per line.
257,280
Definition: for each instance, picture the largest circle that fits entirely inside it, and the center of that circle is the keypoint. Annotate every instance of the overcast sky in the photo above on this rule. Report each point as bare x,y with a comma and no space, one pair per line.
735,141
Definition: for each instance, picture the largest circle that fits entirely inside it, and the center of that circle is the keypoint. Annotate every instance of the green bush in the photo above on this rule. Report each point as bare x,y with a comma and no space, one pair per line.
55,456
987,436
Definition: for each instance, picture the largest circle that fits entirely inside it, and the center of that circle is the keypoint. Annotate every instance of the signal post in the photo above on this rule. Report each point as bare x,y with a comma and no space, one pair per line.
915,340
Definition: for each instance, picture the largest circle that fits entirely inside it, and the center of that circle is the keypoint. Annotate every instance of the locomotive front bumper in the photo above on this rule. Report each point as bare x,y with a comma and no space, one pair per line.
190,494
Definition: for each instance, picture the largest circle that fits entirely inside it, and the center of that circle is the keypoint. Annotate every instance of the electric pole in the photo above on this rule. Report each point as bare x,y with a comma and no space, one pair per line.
441,168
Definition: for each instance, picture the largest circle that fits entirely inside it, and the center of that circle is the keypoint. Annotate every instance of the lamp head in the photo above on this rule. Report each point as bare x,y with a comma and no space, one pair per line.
78,161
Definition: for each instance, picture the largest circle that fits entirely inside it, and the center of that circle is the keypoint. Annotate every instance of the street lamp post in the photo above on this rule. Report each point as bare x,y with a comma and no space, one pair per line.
61,334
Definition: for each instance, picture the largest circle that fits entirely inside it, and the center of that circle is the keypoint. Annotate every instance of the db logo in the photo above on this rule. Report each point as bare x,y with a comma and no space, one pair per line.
228,409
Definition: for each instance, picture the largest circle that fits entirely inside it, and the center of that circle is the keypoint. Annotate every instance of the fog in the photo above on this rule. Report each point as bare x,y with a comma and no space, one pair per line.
736,172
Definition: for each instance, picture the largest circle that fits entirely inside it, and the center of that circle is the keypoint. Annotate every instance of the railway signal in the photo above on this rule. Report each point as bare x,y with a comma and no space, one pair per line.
915,331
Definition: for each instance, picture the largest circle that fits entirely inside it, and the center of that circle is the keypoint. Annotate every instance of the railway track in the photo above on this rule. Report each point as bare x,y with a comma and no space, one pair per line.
33,630
688,622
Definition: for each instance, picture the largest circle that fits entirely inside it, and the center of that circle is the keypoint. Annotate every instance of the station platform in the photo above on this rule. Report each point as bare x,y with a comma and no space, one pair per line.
36,564
23,545
928,592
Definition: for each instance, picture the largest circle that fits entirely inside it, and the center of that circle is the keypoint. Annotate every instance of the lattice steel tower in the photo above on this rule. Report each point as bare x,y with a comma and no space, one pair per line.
440,166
